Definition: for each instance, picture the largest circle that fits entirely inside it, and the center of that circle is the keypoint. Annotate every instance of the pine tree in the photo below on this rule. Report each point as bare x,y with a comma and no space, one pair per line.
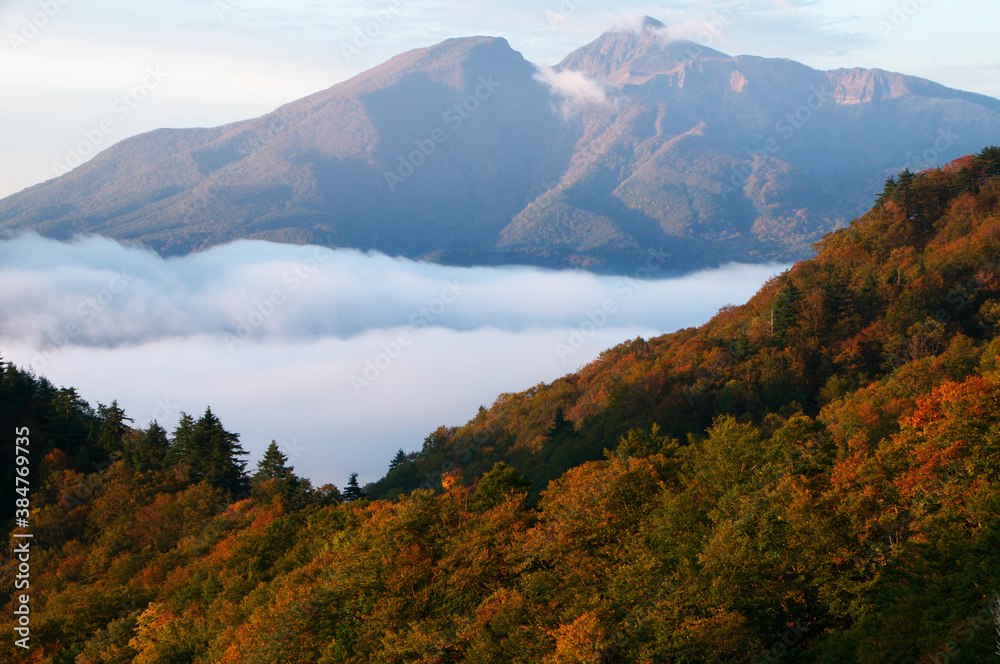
111,429
561,428
784,310
561,449
887,192
986,165
183,440
211,453
150,449
397,461
224,469
905,194
273,466
353,492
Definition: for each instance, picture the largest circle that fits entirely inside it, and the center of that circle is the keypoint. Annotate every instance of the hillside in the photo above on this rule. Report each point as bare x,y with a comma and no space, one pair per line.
903,283
812,477
466,153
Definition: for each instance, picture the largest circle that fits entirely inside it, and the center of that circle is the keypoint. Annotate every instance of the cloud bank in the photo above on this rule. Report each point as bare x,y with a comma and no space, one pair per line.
342,356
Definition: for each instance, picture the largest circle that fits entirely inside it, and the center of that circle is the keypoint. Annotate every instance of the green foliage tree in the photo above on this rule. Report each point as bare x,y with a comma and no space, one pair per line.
57,419
436,440
328,494
642,444
498,486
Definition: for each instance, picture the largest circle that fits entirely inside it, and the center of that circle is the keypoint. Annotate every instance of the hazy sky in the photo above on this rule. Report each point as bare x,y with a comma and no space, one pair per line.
69,67
342,357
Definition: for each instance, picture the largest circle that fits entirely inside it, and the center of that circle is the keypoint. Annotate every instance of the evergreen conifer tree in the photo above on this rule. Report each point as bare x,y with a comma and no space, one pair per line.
150,449
353,491
273,466
211,453
112,429
397,461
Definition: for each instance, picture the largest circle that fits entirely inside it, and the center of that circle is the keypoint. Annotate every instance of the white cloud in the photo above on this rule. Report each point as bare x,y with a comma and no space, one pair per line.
576,90
350,355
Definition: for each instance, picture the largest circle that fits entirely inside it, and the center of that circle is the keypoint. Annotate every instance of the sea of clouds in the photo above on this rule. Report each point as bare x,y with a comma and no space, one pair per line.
343,357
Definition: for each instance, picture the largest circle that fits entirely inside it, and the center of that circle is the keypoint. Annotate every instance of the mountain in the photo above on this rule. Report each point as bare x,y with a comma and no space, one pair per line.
823,488
314,171
466,153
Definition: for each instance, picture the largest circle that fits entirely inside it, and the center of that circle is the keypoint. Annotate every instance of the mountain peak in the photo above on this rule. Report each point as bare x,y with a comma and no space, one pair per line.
636,51
448,61
650,23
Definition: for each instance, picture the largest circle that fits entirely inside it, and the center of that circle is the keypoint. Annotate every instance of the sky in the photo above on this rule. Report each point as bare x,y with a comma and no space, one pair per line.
339,356
100,71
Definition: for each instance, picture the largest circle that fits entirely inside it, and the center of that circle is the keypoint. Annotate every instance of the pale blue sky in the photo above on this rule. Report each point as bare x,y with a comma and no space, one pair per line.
227,60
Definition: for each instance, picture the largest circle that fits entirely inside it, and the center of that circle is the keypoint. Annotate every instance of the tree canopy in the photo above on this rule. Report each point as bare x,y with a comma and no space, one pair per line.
812,477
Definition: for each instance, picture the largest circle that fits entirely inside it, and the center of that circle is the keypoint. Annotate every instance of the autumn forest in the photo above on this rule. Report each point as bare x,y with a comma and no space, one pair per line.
811,477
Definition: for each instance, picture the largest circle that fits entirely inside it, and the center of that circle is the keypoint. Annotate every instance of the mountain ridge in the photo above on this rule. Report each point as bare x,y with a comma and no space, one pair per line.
630,143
